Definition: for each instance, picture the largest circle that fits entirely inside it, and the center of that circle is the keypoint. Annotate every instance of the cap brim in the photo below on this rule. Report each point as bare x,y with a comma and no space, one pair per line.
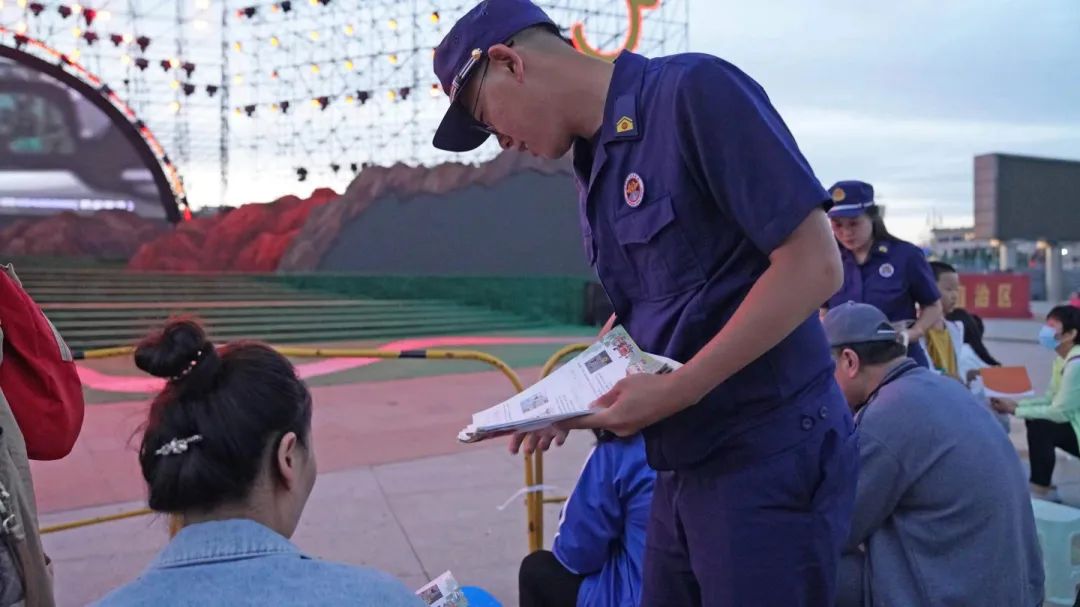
846,213
839,343
459,131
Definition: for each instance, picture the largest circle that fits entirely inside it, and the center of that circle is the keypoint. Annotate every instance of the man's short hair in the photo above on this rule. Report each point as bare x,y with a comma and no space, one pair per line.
874,352
940,268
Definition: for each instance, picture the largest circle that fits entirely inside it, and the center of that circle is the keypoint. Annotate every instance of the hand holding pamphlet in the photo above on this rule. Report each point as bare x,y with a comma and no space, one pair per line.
570,390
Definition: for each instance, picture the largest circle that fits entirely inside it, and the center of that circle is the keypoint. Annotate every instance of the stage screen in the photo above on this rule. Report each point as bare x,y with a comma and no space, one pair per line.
61,152
1025,198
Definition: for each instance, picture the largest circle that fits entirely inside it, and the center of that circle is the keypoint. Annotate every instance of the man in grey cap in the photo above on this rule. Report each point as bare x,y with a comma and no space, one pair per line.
942,513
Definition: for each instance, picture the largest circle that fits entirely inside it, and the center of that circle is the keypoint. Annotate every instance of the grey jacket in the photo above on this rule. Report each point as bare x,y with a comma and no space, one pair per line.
942,512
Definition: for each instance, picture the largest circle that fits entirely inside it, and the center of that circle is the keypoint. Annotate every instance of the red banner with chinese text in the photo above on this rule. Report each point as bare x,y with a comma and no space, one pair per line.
996,295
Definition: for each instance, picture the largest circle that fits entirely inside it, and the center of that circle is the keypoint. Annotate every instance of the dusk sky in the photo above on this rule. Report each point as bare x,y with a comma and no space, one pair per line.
905,94
900,94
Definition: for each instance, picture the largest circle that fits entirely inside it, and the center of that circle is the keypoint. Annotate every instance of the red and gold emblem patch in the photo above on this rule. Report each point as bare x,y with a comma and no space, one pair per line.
633,190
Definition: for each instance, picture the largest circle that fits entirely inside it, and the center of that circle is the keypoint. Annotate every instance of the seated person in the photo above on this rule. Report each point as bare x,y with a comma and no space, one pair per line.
948,341
227,450
943,339
972,352
598,552
942,516
1053,420
974,330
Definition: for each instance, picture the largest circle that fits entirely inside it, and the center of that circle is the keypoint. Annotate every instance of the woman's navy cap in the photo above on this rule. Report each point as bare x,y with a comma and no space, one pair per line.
851,198
489,23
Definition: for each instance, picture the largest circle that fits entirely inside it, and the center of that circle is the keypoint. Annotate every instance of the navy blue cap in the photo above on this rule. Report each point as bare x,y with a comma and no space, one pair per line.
858,323
489,23
851,198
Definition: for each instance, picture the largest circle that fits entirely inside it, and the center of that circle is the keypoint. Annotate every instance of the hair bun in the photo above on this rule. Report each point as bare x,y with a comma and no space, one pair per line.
175,351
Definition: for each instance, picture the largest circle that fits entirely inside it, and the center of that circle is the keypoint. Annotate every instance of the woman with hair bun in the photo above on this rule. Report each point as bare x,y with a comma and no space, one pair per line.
227,452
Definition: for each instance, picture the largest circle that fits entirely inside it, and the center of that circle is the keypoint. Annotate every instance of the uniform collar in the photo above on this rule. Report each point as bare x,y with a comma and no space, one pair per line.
227,540
899,370
880,249
622,120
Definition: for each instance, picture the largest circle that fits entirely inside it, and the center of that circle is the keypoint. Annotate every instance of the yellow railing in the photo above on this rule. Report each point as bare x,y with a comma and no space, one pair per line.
473,355
534,464
534,504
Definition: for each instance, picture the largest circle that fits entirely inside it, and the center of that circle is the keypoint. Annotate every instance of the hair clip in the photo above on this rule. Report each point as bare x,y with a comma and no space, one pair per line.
191,365
178,445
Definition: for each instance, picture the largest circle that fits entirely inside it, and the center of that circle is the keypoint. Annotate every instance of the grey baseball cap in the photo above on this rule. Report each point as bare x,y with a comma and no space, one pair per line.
858,323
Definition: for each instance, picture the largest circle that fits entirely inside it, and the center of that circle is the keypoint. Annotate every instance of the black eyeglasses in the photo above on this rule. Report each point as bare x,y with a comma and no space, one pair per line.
462,77
480,125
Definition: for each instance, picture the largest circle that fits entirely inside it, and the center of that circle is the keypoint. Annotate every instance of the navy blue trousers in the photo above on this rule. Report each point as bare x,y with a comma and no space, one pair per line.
763,521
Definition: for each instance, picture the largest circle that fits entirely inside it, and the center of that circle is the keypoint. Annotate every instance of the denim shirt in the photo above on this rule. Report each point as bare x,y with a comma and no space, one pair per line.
241,562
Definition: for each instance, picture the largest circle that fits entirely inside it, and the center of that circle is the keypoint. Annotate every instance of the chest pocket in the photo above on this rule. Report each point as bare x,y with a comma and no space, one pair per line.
890,294
658,249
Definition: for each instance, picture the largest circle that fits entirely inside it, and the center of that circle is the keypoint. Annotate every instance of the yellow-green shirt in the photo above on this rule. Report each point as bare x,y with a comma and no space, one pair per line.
1062,400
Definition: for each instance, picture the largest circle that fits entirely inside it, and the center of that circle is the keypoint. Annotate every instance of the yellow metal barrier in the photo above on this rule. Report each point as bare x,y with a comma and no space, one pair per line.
104,352
86,522
532,500
534,470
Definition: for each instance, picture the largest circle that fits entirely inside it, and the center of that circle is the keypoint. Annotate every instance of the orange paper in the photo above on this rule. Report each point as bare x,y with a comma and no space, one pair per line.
1007,382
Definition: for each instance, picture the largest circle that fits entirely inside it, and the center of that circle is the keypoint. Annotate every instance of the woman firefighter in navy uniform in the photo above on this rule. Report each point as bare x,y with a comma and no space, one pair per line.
881,270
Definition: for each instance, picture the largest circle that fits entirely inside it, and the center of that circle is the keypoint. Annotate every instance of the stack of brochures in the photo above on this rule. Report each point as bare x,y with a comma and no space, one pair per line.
570,390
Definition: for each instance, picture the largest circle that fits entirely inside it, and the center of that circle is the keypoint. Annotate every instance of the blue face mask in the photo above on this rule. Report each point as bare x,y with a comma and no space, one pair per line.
1047,339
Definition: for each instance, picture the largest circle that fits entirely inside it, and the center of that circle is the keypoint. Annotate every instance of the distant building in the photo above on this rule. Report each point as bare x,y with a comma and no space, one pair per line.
960,247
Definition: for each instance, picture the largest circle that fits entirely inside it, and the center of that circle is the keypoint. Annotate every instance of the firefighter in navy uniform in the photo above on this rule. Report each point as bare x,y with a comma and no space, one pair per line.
708,230
881,270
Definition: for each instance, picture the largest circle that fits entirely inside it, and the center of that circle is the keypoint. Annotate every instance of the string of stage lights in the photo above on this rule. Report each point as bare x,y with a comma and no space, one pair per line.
237,89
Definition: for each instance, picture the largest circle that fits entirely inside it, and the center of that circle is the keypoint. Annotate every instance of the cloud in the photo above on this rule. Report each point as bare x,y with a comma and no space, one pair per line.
845,124
905,94
918,165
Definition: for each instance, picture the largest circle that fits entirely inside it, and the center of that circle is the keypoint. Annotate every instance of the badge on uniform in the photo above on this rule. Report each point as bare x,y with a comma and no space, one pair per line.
633,190
627,126
838,195
886,270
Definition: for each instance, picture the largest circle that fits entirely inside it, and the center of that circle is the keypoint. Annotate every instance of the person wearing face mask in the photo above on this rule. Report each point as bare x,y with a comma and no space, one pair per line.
1052,420
880,269
942,514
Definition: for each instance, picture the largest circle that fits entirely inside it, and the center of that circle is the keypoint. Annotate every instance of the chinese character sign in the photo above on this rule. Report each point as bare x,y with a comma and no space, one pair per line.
996,295
1004,295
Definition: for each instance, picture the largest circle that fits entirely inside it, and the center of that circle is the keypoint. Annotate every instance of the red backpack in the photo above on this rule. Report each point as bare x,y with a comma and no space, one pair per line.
38,374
